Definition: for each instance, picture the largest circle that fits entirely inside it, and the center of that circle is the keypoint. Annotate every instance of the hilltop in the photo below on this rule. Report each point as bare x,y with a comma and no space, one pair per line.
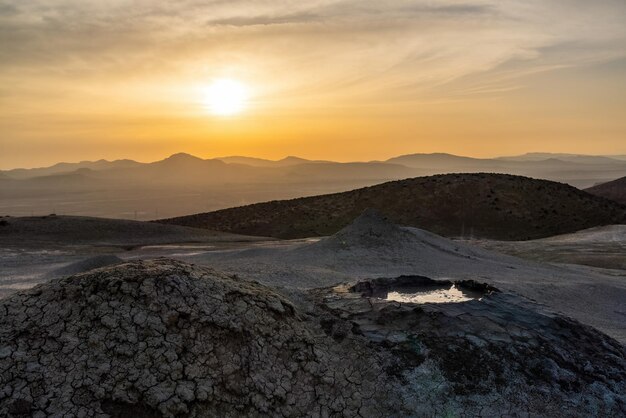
496,206
614,190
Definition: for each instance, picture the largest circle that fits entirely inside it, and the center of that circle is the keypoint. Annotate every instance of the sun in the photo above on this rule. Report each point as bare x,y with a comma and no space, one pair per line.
226,97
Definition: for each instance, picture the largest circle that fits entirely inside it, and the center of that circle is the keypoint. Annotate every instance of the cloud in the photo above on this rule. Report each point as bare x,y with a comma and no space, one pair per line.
354,45
267,20
355,12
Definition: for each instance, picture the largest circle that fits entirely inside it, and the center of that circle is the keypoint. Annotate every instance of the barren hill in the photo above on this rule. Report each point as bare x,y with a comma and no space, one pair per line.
494,206
614,190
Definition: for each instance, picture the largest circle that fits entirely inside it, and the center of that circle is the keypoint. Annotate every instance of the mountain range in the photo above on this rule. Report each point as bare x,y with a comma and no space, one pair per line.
183,184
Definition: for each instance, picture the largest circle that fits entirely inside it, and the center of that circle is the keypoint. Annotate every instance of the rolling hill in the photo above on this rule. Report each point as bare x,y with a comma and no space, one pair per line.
496,206
614,190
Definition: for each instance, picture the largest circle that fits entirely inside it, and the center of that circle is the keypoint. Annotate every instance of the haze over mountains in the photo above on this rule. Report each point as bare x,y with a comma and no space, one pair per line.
182,184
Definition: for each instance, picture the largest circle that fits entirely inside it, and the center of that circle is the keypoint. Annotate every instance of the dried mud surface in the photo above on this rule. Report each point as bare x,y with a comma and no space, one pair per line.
166,338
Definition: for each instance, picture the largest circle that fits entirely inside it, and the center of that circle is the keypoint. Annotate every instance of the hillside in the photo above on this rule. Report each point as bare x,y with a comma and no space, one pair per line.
80,230
493,206
614,190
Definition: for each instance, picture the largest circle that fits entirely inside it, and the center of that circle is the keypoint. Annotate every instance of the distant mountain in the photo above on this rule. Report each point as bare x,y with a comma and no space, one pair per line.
179,158
481,205
79,176
80,179
178,185
183,183
260,162
577,158
578,170
256,162
183,167
435,160
442,161
23,173
614,190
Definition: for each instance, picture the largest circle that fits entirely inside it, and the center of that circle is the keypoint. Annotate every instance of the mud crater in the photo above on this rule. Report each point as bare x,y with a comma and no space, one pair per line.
420,290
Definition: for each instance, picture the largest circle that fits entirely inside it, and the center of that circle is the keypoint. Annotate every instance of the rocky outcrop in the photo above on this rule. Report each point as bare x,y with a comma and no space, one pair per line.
165,338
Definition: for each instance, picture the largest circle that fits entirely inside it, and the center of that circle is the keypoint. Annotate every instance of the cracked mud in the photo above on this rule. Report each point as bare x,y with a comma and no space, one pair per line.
165,338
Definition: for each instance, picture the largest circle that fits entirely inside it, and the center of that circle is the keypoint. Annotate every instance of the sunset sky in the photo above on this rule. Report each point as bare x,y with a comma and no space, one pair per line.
342,80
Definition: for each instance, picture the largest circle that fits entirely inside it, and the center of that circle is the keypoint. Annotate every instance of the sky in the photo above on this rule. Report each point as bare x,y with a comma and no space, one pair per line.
342,80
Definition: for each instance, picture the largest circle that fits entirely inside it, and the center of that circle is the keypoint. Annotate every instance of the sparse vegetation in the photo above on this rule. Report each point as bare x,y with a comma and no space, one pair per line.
484,205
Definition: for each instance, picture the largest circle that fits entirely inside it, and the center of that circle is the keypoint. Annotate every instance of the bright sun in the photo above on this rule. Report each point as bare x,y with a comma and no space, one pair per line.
226,97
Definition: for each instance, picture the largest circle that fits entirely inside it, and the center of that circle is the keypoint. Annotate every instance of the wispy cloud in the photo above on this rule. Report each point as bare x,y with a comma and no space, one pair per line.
406,48
69,69
265,20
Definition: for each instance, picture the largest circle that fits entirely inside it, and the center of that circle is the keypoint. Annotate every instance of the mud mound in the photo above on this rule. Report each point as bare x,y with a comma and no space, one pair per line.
164,338
497,355
373,239
370,230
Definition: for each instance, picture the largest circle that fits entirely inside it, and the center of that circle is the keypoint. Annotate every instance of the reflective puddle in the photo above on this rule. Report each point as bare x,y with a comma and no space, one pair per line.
419,289
448,294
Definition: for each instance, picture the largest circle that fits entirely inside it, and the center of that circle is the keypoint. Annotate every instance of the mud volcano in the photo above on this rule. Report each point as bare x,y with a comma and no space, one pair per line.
165,338
482,355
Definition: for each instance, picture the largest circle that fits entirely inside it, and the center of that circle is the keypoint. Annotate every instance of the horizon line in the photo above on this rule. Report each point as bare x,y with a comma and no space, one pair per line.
341,161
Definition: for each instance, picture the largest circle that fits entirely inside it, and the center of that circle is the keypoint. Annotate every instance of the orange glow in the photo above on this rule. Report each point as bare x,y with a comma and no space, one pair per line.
310,80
